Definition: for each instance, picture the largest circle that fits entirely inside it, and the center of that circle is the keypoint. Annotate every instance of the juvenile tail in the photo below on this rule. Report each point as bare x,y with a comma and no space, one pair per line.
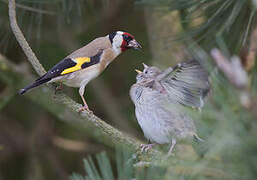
197,138
38,82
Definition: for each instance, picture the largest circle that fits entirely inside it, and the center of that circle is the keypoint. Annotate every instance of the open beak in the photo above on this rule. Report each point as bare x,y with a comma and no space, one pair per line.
138,72
134,44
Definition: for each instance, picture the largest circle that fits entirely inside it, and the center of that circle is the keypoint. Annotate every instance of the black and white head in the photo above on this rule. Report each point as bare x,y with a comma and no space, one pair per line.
121,41
149,72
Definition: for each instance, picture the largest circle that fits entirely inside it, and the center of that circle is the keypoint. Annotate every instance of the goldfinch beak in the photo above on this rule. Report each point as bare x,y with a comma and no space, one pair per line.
138,72
134,44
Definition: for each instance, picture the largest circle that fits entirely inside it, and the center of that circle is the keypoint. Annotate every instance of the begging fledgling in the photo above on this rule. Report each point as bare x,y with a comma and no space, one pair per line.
160,99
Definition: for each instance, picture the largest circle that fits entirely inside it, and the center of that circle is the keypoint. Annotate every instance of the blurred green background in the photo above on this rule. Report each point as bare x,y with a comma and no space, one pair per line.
36,144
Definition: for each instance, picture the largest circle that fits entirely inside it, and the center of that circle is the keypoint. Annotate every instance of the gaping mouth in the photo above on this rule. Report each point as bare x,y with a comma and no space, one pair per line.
138,71
134,44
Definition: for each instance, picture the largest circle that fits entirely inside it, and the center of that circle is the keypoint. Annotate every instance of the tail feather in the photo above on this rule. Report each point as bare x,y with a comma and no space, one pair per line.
197,138
38,82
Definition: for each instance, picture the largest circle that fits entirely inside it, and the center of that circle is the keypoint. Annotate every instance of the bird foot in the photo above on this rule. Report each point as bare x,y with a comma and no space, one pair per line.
146,147
85,108
173,143
58,88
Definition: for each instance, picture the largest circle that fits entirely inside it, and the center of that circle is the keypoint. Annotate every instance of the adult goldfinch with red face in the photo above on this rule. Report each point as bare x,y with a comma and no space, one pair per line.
86,63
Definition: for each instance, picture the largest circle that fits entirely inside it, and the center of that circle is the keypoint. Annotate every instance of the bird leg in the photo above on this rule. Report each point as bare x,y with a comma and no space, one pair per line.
146,147
85,107
59,87
173,143
197,138
81,93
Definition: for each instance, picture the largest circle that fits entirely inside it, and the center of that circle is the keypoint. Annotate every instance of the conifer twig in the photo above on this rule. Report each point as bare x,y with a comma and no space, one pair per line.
32,9
22,41
233,69
235,73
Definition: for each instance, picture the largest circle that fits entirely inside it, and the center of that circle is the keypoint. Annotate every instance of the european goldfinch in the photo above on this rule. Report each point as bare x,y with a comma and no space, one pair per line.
86,63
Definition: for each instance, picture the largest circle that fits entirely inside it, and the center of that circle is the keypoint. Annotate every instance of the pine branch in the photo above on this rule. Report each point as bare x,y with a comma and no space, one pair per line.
22,41
233,69
105,131
236,74
31,9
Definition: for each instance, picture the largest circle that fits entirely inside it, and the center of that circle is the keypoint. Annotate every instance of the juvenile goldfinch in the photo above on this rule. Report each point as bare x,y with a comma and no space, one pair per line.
86,63
161,99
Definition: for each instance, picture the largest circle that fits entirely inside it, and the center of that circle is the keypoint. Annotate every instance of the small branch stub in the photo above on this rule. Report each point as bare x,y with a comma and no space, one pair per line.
233,69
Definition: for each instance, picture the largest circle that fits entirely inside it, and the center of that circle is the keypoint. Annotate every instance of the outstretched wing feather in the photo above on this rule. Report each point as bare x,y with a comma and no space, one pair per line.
187,84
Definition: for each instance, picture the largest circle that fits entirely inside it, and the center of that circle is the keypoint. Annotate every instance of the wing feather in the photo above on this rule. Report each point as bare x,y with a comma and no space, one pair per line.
79,62
70,65
56,70
187,84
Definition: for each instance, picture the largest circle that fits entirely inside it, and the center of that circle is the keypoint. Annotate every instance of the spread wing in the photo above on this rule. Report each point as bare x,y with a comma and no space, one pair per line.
187,83
70,65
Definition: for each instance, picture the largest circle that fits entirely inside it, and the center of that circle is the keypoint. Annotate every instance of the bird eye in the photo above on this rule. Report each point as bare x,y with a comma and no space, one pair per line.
126,37
146,72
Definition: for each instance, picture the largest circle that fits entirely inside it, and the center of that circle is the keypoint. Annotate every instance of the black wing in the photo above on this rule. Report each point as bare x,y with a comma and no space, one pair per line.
56,70
64,67
70,65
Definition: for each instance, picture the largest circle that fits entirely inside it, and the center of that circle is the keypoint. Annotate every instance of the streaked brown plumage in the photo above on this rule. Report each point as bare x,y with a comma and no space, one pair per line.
161,99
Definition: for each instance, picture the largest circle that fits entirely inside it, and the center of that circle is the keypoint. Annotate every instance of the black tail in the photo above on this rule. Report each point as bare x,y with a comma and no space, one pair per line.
38,82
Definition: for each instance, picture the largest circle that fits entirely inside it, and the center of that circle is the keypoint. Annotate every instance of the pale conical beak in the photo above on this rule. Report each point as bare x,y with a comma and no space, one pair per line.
134,44
138,72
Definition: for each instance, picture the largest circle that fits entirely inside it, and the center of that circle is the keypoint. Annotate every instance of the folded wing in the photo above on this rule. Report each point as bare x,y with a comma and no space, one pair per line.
66,66
70,65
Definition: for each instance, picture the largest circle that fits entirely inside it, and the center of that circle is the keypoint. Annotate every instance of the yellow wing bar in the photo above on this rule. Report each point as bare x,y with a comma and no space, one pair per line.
79,61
